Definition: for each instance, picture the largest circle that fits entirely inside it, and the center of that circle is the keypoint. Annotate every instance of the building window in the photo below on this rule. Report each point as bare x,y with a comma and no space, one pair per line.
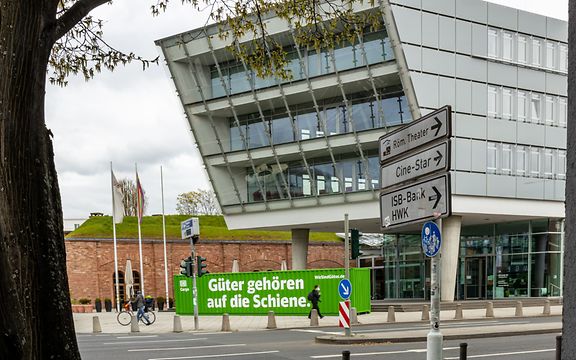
491,161
522,48
521,106
535,108
563,57
562,111
506,163
521,161
492,101
492,43
549,110
535,162
548,163
506,46
536,52
506,103
561,165
550,55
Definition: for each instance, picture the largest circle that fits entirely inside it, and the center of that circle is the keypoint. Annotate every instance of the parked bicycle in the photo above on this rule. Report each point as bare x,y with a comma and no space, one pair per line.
124,317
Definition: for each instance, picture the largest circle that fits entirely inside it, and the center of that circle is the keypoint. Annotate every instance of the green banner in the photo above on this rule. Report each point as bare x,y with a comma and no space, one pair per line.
284,292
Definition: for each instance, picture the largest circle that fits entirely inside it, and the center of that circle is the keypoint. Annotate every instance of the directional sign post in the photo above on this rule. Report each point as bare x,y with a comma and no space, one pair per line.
345,289
425,200
434,126
189,228
431,244
422,163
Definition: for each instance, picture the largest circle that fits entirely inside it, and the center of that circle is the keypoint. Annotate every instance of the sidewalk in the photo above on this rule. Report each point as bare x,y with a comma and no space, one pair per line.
165,321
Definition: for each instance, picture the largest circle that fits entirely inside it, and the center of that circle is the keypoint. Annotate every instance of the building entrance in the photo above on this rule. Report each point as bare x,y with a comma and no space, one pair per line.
478,277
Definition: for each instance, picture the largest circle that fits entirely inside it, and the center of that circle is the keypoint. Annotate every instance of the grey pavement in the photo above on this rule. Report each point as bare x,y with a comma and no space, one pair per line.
165,322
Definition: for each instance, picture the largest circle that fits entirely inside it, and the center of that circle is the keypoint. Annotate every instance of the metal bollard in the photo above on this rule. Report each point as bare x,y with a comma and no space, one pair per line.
559,347
345,355
463,351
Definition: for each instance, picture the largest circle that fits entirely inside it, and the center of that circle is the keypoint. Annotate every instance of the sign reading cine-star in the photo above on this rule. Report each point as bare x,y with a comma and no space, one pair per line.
421,201
428,128
415,166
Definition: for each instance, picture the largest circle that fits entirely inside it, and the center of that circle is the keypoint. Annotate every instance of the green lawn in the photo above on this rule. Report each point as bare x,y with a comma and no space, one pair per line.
212,227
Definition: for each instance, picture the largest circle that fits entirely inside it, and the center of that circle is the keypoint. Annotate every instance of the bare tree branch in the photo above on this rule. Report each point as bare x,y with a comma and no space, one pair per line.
74,15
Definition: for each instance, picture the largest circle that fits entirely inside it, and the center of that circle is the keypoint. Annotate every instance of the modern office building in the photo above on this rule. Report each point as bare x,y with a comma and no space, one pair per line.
298,154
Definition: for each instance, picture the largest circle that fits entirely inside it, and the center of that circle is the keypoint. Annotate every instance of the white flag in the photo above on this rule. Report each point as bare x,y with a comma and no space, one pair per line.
118,196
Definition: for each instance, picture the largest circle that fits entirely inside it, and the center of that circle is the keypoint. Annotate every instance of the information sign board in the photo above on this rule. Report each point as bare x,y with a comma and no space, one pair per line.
431,239
345,289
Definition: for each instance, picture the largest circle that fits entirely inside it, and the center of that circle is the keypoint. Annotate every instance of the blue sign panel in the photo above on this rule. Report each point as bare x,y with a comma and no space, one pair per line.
431,239
345,289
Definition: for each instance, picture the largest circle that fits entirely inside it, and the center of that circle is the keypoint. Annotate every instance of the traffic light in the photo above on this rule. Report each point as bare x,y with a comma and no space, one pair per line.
355,239
186,267
200,266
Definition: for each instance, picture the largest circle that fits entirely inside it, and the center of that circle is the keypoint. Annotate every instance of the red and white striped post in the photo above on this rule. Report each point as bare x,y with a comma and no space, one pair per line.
344,314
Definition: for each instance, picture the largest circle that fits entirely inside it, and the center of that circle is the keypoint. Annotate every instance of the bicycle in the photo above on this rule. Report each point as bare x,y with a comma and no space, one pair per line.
124,317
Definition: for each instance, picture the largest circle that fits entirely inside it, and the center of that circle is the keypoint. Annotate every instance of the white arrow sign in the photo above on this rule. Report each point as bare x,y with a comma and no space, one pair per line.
345,290
434,126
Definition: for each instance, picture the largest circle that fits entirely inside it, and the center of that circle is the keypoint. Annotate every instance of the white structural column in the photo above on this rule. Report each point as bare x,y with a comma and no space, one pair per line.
450,248
300,248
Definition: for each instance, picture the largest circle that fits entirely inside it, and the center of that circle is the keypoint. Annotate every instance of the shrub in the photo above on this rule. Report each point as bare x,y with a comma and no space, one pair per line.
160,299
84,301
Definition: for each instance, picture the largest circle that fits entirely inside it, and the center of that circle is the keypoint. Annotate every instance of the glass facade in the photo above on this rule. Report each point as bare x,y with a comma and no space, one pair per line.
232,78
271,182
363,113
496,261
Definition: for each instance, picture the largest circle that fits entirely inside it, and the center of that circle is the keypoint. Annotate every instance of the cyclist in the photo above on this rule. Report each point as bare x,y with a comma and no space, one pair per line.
141,308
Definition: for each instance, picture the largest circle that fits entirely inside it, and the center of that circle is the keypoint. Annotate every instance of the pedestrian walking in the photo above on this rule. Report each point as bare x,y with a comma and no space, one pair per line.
314,298
141,308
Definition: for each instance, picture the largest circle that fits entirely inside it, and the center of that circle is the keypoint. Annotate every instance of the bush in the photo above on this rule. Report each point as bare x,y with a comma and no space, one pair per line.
84,301
97,300
161,299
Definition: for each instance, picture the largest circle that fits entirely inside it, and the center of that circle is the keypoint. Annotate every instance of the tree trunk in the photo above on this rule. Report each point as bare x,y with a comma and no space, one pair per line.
35,312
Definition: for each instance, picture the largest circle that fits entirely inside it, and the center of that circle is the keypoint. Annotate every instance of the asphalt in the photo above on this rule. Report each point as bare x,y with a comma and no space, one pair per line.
165,324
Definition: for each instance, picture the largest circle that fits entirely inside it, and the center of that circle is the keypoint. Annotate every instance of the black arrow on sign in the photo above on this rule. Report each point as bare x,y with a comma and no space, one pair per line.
436,126
436,197
438,158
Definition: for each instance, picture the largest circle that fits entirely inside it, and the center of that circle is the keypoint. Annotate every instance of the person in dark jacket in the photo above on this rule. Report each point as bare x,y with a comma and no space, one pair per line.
141,308
314,297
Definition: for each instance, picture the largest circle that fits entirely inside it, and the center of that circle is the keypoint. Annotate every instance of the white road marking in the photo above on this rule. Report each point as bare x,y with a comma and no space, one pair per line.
189,347
136,336
444,326
503,354
153,341
379,353
217,355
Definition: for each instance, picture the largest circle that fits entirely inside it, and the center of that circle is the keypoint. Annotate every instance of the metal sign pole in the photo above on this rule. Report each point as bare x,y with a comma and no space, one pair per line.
435,338
347,331
194,290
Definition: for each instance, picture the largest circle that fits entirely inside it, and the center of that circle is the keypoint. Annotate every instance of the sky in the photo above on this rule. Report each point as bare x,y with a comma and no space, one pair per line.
131,116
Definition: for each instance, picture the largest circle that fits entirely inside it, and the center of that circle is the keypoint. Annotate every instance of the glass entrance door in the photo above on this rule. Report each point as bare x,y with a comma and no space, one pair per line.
475,278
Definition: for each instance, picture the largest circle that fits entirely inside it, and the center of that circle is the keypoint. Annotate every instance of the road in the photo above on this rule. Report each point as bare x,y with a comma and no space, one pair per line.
299,344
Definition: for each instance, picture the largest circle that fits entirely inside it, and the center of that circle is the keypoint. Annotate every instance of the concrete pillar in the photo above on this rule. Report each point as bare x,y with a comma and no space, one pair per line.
425,312
96,328
314,317
271,320
450,249
226,322
458,315
489,309
391,314
177,324
300,248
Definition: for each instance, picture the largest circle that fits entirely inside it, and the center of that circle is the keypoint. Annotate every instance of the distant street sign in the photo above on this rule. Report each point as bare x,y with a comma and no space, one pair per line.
190,227
425,162
431,239
345,289
434,126
421,201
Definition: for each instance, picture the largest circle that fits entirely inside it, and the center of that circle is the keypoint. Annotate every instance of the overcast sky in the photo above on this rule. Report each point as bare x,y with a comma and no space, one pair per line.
132,116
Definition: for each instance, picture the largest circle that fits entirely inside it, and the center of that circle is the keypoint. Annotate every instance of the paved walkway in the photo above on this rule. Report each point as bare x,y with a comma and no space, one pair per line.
165,320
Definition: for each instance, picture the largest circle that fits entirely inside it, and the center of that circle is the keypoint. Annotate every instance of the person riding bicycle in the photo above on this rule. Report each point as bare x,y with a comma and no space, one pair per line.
141,308
149,303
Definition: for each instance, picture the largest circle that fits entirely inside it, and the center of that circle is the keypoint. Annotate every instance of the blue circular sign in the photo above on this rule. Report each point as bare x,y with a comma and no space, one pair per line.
431,239
345,289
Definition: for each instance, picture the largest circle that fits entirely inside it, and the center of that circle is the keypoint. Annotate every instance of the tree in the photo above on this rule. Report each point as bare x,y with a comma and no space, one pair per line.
35,314
129,201
201,202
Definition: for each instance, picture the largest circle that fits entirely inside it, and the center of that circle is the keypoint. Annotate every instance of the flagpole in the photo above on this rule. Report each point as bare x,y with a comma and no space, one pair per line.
114,235
139,216
164,236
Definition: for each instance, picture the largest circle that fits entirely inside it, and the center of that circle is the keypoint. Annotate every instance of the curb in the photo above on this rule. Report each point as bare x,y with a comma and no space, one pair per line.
360,339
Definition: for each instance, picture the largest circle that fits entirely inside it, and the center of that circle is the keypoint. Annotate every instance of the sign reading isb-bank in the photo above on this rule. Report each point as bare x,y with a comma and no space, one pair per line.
434,126
425,200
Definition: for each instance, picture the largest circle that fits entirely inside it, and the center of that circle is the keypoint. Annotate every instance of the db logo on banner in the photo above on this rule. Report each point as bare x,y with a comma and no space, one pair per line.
344,317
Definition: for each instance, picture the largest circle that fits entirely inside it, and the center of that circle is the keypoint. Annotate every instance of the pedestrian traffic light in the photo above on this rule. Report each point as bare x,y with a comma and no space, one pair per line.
200,266
355,237
186,267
